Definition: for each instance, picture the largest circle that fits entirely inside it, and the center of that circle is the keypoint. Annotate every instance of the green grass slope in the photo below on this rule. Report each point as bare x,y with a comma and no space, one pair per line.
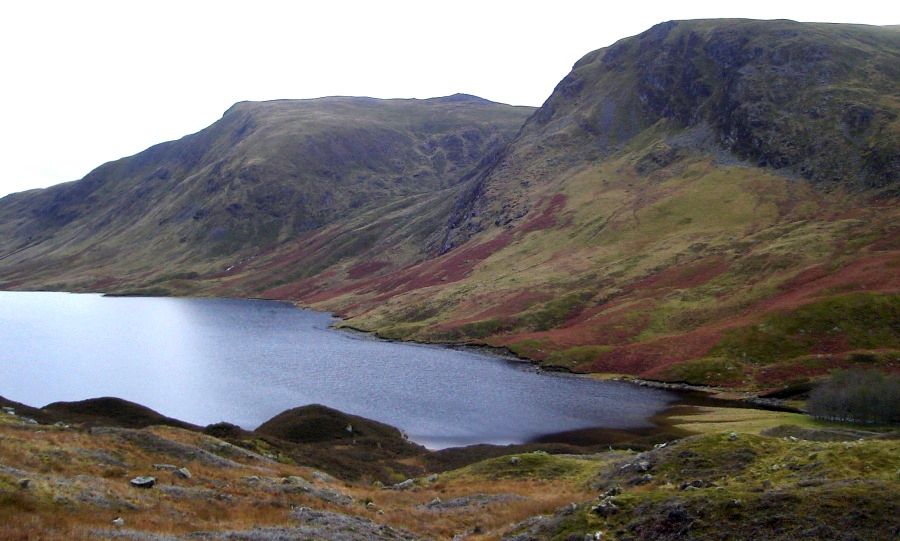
705,202
264,174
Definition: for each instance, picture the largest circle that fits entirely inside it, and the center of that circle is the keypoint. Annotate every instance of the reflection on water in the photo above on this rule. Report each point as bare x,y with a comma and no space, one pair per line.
209,360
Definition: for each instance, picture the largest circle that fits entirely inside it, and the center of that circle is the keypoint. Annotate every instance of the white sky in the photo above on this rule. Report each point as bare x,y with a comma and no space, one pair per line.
84,82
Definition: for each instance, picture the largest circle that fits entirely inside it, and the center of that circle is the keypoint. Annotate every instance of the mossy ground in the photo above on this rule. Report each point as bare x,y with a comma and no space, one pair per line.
745,486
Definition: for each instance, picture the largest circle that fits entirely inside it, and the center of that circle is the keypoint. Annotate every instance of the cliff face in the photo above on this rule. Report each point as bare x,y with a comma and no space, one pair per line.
818,101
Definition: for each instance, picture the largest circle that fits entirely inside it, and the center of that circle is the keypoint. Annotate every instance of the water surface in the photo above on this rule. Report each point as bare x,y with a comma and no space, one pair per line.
244,361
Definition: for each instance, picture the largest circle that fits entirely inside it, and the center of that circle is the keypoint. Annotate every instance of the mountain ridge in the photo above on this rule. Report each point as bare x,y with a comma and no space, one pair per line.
265,172
599,215
678,191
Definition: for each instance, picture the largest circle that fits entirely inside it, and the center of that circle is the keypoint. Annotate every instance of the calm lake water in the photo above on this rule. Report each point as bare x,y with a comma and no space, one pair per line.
242,361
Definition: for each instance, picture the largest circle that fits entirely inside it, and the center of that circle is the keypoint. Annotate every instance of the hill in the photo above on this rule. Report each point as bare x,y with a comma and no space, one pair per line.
711,201
264,175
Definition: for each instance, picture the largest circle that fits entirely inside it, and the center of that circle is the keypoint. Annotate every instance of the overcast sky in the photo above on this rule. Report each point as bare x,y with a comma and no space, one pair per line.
84,82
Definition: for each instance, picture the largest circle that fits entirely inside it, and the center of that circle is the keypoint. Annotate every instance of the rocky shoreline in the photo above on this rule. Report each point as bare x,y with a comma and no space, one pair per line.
721,396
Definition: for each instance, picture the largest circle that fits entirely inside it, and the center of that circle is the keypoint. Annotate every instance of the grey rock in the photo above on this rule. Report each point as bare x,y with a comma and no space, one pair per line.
614,490
130,535
514,460
468,502
184,473
605,508
295,480
149,441
405,485
233,452
194,493
338,527
9,470
297,484
534,528
695,484
322,476
642,480
165,467
25,483
143,481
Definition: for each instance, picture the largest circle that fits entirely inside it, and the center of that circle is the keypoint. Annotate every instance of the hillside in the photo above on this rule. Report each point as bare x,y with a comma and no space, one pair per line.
711,201
265,174
761,475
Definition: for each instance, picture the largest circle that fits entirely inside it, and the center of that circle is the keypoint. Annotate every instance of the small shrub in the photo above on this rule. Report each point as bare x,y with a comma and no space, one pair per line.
856,395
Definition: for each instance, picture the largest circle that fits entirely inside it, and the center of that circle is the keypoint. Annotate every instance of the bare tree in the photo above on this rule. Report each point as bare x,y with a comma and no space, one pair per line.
856,395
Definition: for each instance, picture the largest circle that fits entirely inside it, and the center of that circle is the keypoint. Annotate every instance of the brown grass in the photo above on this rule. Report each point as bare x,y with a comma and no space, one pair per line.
68,465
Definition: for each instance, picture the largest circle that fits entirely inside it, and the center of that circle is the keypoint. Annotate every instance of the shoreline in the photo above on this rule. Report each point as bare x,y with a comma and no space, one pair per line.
738,398
735,395
683,394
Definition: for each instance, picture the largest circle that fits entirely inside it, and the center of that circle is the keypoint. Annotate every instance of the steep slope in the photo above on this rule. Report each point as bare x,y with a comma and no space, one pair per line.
264,174
709,201
814,100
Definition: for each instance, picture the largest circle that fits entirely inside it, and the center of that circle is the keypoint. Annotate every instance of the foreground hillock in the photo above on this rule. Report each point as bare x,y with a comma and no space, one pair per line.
741,486
748,474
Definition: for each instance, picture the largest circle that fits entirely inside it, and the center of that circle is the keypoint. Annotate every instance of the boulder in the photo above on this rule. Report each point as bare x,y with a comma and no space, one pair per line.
605,508
322,476
614,490
143,481
405,485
